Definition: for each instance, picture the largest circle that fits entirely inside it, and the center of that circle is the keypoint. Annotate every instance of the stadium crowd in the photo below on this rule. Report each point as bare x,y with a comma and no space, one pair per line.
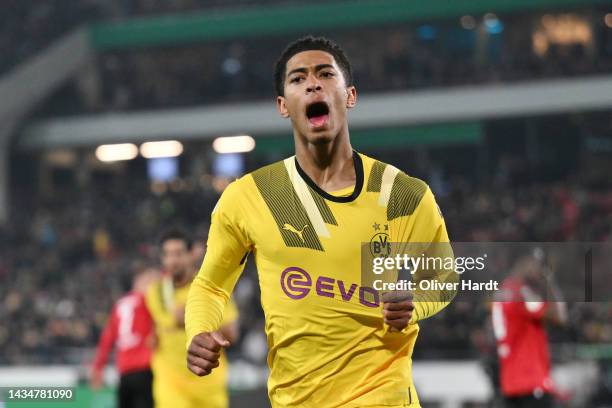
67,256
27,27
385,58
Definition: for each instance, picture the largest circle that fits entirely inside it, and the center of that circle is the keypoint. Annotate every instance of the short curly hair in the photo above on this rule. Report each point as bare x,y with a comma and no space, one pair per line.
178,234
309,43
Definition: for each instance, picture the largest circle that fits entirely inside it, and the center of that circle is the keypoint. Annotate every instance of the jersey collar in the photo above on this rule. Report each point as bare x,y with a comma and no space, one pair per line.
346,199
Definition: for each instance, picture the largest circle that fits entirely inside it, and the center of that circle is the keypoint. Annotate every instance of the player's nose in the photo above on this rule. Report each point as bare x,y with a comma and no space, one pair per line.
313,86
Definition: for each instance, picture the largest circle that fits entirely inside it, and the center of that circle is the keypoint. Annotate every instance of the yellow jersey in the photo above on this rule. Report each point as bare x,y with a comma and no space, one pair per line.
173,384
328,344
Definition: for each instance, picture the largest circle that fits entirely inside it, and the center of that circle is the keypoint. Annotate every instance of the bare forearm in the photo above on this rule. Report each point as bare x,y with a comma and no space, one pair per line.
558,309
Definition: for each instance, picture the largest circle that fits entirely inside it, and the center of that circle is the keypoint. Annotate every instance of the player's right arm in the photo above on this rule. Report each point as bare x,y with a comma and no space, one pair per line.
227,247
229,327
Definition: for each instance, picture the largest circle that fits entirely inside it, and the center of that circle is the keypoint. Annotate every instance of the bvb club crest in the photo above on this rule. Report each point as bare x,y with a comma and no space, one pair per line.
380,246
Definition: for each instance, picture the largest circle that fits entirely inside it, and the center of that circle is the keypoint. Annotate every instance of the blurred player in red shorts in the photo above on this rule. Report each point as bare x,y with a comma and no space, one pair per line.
130,329
528,299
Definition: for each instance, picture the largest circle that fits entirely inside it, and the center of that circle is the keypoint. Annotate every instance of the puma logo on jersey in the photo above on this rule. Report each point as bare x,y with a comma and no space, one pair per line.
289,227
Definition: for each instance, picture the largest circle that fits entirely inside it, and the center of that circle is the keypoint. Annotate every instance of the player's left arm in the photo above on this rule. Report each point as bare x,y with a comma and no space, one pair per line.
548,306
552,310
557,311
424,231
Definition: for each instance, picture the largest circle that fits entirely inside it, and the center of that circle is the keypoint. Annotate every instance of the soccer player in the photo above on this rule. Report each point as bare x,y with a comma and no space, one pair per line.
332,342
173,385
519,325
130,329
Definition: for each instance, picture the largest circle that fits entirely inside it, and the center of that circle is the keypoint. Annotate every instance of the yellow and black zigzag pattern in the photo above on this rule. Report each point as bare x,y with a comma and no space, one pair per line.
324,209
295,227
375,179
406,194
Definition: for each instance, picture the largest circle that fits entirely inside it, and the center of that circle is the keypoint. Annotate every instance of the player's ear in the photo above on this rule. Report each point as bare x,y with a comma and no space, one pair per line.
351,96
281,107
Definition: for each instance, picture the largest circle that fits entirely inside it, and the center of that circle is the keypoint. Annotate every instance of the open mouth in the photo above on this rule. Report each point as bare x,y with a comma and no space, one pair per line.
317,114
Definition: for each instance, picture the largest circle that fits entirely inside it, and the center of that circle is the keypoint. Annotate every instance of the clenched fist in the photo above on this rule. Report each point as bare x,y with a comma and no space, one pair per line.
397,309
204,352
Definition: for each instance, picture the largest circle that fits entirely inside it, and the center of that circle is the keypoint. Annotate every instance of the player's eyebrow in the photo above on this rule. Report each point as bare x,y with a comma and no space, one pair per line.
304,70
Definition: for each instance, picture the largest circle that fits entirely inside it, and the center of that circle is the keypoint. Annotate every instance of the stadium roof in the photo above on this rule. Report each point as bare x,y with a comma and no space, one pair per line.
223,24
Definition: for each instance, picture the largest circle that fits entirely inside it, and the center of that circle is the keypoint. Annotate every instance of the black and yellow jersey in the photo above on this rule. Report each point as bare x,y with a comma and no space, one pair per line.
328,344
173,384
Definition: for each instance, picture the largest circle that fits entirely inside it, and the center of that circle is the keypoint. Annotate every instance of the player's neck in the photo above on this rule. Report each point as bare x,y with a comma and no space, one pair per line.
329,165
